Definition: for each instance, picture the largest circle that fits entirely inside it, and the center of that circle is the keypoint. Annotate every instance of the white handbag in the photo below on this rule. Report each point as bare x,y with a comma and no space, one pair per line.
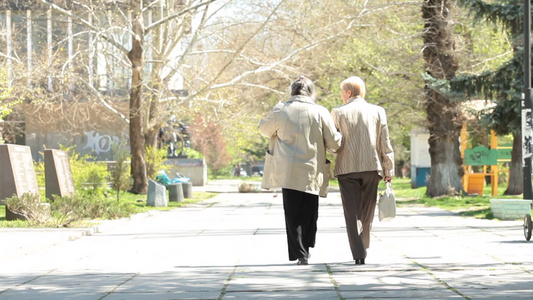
387,204
269,179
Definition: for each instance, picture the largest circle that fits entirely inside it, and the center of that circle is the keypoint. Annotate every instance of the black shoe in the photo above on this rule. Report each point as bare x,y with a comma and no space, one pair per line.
302,261
360,261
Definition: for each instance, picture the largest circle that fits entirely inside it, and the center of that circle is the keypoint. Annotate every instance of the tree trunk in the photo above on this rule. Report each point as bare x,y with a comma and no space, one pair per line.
516,178
153,125
444,117
138,163
446,163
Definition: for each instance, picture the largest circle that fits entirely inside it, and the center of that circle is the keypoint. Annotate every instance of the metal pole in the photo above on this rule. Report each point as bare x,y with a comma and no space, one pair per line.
527,105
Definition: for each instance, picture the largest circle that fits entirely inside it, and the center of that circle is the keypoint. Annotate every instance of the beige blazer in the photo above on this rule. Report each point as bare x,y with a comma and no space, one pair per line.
366,145
299,132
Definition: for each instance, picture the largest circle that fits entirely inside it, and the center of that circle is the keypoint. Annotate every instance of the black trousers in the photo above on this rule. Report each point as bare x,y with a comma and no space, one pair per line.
359,193
301,215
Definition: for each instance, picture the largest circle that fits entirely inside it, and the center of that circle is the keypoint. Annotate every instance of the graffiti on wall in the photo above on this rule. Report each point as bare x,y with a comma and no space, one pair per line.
100,143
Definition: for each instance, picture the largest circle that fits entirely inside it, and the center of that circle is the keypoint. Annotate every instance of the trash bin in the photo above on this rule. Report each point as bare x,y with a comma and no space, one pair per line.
187,189
175,192
476,183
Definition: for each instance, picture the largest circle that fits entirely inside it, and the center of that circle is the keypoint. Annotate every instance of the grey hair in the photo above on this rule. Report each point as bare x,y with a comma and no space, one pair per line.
303,86
356,85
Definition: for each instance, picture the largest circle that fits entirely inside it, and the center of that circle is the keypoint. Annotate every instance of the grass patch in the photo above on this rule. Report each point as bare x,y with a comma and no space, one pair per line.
129,204
468,206
471,206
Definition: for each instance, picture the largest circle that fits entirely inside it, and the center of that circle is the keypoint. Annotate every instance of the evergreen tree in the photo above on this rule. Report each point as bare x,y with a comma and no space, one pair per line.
504,84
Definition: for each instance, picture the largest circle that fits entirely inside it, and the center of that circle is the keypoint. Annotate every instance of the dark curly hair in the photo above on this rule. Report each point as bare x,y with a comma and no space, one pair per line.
303,86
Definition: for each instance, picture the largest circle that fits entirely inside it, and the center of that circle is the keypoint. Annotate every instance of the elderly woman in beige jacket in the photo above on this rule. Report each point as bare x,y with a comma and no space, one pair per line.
300,131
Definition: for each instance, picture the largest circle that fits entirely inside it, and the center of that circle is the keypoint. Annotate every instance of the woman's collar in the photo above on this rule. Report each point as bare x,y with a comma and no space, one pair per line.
300,98
355,99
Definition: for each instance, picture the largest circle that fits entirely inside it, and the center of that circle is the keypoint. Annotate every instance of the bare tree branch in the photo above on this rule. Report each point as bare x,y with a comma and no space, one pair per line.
176,15
96,29
239,50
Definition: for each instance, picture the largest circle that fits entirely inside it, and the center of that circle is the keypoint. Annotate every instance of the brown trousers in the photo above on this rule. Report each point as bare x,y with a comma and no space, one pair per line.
359,193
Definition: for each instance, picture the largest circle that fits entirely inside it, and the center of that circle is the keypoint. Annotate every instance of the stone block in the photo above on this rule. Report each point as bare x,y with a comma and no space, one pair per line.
175,192
510,209
195,169
187,189
58,174
157,195
17,174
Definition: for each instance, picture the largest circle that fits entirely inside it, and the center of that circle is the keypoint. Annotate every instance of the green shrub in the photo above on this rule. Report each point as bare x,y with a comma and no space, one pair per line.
191,153
120,174
87,175
66,210
39,173
29,206
96,178
155,159
63,211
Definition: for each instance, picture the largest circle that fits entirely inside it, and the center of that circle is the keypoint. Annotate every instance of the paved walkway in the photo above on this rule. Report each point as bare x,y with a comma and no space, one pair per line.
233,246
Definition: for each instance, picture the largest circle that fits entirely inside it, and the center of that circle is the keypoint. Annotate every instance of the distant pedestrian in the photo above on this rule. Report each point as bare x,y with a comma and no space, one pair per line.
236,170
300,131
366,156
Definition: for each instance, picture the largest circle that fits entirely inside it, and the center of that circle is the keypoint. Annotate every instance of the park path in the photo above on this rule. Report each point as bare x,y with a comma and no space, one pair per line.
233,246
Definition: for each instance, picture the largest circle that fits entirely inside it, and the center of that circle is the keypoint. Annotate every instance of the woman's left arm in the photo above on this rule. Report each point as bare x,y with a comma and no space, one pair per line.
268,125
332,137
385,148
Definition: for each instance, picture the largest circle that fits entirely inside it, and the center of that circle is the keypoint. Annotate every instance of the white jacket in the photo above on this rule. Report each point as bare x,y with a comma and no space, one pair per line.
300,131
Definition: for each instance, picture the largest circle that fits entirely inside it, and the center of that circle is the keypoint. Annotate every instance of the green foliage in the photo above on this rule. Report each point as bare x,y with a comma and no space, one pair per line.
120,174
87,175
39,173
155,159
83,210
244,142
97,175
507,12
391,70
191,153
64,211
208,139
6,100
256,150
471,206
67,210
504,83
5,92
29,206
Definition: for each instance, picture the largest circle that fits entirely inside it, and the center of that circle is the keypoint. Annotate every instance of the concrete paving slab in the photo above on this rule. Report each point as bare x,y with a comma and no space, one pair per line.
312,277
401,294
182,295
233,246
489,279
48,295
175,282
495,294
285,294
392,280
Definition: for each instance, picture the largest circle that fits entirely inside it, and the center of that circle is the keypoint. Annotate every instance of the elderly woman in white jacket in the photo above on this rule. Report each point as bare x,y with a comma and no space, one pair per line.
300,131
